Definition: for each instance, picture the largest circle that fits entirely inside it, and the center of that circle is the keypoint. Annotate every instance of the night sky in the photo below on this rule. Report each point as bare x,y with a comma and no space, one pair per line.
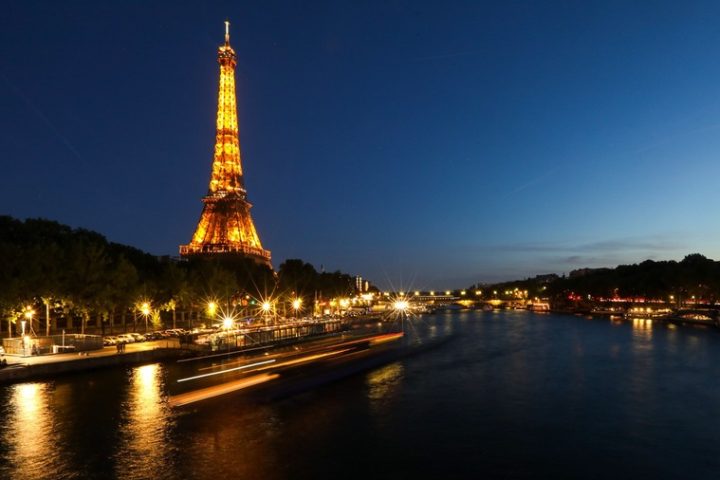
419,144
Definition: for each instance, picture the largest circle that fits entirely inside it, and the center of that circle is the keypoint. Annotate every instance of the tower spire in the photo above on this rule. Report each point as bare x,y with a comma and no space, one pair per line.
225,225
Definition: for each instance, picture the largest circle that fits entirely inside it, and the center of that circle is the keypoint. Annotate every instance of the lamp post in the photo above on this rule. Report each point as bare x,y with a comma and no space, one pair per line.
266,307
211,310
401,307
28,314
296,304
227,325
145,310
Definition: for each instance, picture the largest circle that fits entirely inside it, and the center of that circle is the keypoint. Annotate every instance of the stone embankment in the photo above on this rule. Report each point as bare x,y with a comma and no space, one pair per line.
50,366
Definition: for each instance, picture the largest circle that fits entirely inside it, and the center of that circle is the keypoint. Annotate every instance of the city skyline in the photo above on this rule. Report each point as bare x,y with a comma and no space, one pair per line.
416,146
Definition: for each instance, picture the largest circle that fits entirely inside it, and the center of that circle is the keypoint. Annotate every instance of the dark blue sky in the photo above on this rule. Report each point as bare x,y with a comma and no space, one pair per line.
422,144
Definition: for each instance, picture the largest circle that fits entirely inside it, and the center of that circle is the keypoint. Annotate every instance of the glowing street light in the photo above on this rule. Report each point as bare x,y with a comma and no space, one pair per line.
228,323
28,314
401,305
212,308
296,304
145,310
266,306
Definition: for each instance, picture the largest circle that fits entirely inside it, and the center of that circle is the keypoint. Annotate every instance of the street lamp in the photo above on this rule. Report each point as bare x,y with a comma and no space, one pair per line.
401,307
28,314
266,307
145,310
296,304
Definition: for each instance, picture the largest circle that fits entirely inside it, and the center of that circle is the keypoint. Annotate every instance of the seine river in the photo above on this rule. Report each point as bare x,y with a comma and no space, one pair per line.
513,395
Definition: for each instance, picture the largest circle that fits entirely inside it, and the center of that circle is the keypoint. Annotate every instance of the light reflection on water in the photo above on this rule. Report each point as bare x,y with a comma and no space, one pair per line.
29,430
642,329
383,385
144,425
40,421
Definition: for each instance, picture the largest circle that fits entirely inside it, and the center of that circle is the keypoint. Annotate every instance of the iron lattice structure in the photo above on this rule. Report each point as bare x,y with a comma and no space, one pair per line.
225,225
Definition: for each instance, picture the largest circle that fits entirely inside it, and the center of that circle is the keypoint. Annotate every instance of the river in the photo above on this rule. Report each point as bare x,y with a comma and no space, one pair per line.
512,395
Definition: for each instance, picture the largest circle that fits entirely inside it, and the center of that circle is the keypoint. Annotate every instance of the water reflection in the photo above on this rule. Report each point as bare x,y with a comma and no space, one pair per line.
642,328
448,326
29,431
384,385
506,398
144,426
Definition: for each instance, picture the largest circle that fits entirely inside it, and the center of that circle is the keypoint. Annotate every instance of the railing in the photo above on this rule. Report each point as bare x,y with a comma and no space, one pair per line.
258,336
53,344
224,248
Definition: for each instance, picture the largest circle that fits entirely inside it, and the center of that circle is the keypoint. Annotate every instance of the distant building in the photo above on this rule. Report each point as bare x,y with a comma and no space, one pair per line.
358,283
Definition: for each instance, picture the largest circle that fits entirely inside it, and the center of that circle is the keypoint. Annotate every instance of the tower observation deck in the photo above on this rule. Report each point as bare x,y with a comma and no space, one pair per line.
225,226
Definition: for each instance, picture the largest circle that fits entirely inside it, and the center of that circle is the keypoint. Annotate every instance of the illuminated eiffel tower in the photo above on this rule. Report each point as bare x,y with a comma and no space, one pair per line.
225,226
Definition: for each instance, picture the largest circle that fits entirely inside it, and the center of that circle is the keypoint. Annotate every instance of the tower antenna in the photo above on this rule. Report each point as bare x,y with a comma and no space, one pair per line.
227,32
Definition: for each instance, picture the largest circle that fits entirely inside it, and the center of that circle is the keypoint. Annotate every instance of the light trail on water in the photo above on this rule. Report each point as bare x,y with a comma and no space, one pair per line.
217,390
243,367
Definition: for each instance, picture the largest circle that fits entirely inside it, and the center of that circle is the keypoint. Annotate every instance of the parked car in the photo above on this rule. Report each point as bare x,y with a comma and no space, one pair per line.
126,338
175,332
154,336
110,340
139,337
150,336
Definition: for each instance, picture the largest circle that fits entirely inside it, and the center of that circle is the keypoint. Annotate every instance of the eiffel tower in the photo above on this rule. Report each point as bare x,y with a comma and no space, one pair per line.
226,227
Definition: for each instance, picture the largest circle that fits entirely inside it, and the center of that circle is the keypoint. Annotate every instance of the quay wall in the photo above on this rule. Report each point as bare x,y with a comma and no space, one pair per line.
81,363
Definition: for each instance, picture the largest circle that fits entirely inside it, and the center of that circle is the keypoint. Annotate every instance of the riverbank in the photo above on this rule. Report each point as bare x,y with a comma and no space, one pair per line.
22,368
47,366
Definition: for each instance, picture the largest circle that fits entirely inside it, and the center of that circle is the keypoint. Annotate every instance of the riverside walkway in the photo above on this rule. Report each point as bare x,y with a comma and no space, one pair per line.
22,368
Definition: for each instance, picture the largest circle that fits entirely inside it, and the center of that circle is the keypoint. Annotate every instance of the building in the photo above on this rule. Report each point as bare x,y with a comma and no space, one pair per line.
225,227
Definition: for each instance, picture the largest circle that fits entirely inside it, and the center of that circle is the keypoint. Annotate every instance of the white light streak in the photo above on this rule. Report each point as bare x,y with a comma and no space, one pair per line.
243,367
